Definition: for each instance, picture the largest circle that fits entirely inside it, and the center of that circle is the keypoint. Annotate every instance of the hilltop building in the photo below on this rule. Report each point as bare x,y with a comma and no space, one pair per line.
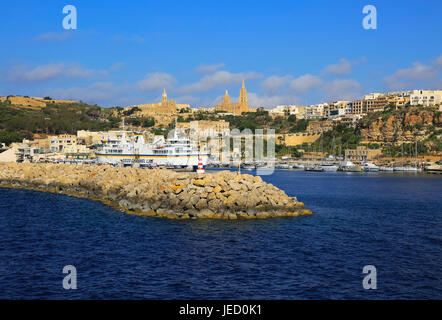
425,97
165,107
163,112
236,108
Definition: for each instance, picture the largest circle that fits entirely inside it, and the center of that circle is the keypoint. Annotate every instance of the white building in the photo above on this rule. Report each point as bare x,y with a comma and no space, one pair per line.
372,96
315,111
284,110
425,97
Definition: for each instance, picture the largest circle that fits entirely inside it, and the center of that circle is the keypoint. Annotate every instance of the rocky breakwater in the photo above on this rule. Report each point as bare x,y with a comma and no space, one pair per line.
160,192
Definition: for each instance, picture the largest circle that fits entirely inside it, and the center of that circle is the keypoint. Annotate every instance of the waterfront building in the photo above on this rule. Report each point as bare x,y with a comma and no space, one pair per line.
362,154
62,143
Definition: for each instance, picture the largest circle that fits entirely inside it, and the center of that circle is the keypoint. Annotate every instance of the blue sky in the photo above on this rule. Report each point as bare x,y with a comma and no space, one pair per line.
288,52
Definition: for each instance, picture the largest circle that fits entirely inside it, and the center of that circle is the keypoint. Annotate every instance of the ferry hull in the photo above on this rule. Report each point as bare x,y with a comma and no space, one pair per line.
174,160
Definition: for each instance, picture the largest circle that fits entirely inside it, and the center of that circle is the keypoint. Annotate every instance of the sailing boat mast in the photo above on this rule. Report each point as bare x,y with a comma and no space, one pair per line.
415,153
123,137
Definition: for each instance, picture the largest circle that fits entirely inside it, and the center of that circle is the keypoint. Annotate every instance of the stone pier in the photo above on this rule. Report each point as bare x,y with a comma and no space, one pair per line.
159,192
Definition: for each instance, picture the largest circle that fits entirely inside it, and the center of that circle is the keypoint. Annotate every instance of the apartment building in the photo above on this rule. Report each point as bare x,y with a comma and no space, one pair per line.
205,128
425,97
361,154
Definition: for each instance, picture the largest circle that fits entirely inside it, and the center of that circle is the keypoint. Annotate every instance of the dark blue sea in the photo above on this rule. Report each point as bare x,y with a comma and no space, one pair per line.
390,221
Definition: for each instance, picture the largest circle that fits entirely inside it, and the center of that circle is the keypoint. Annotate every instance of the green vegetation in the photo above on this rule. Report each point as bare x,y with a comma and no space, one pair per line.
145,122
9,137
131,111
405,150
282,150
256,120
340,137
17,123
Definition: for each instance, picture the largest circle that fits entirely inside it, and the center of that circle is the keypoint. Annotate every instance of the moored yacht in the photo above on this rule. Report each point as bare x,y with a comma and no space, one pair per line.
370,167
328,167
349,166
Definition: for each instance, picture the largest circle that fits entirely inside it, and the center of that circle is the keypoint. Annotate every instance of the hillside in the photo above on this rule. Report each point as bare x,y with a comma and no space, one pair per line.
404,126
35,103
22,121
393,130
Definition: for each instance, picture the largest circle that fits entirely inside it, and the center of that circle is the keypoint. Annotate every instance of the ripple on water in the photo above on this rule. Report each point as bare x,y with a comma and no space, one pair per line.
392,222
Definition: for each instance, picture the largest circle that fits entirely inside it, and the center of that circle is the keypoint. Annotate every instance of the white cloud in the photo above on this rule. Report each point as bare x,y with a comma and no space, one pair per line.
407,77
217,79
97,92
156,80
117,66
51,71
342,89
209,68
305,83
268,101
273,83
438,61
342,67
53,36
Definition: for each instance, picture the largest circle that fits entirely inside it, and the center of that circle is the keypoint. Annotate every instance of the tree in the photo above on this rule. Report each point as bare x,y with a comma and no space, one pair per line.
291,118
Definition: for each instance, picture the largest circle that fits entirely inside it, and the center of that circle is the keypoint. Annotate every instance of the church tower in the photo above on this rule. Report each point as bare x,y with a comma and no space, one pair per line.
164,99
226,99
244,105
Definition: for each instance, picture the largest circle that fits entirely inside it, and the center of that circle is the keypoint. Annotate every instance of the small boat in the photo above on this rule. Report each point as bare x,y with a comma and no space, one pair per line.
411,169
386,169
314,169
434,168
282,165
370,167
249,167
349,166
328,167
298,167
399,168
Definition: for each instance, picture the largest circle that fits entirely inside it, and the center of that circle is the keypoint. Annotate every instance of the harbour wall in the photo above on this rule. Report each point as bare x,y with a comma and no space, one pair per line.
159,192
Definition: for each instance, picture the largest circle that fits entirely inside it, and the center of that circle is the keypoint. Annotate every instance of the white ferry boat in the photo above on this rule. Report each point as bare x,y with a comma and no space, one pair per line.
176,152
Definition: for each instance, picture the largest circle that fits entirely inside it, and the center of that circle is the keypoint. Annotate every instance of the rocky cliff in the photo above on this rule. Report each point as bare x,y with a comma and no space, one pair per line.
402,125
160,192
